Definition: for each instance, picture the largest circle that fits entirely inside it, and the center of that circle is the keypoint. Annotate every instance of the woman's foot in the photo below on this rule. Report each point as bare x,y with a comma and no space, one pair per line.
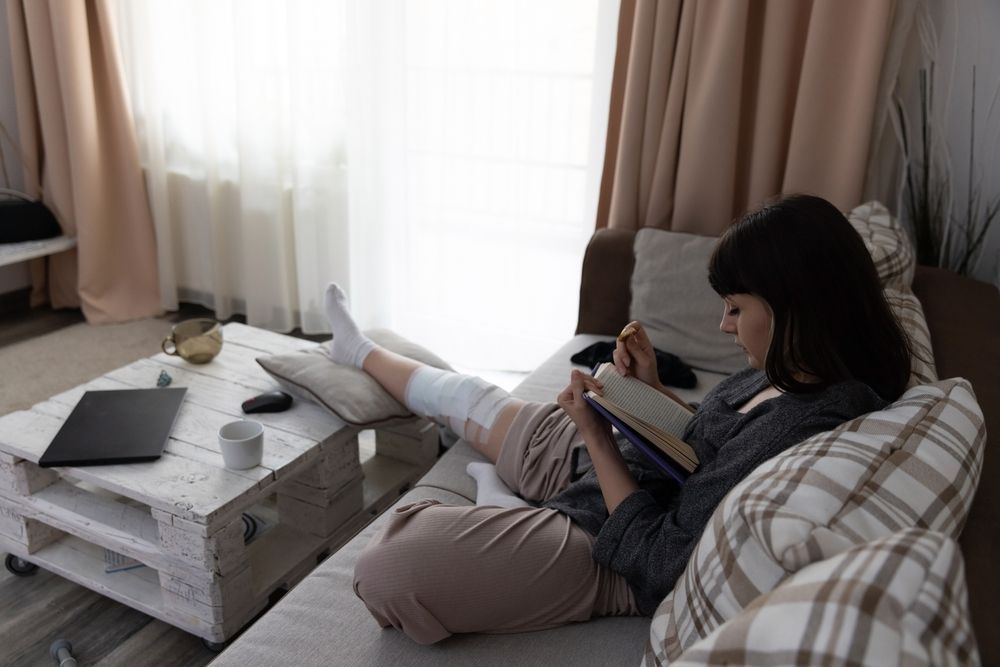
490,489
349,345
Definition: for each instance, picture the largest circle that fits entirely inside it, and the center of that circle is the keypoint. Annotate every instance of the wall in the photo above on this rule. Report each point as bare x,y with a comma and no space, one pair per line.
15,276
966,33
963,30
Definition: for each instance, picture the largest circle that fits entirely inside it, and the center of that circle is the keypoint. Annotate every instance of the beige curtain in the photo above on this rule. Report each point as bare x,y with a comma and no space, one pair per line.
729,102
79,143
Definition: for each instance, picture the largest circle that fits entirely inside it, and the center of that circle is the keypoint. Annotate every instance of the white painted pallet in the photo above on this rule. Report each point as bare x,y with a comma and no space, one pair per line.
188,527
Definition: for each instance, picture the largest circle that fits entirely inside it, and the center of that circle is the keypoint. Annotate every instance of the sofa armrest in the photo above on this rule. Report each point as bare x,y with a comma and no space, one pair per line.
963,316
605,291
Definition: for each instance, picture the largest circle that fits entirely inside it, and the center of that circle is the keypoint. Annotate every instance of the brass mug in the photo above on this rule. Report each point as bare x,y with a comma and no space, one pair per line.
195,341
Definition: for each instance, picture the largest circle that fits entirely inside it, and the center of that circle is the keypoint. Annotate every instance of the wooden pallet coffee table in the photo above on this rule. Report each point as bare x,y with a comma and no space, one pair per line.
182,515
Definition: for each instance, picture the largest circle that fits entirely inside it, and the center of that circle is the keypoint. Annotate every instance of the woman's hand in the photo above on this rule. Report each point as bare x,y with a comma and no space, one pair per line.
613,475
587,421
634,356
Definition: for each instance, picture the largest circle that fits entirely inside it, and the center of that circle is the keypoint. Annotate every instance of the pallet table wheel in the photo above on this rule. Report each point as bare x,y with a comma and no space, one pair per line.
19,567
214,647
61,652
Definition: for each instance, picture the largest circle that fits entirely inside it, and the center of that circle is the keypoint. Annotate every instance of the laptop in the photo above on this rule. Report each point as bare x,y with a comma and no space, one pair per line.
117,426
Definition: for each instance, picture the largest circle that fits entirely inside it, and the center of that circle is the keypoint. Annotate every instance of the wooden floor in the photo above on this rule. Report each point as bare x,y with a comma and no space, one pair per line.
44,607
38,609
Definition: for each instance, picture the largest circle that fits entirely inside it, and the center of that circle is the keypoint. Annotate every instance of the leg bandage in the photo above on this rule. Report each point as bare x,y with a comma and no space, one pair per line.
454,398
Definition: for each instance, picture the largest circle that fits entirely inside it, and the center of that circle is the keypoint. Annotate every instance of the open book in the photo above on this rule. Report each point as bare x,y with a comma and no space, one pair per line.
651,421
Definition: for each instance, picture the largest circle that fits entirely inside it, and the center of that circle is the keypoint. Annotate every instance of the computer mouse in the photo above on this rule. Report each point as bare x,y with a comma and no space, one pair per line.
272,401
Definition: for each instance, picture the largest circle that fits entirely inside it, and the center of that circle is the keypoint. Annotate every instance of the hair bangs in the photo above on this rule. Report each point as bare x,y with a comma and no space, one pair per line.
724,267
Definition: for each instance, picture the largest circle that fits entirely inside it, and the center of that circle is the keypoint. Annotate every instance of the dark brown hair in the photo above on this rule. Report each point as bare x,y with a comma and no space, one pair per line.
831,319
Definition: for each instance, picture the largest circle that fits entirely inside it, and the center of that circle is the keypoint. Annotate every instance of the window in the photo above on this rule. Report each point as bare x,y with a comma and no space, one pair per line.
440,158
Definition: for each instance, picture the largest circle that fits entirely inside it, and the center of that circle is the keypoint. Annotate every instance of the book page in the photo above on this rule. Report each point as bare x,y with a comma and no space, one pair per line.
643,402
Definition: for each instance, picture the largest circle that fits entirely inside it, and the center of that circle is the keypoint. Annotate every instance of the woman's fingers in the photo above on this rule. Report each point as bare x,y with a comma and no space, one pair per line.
621,358
593,384
636,347
580,383
639,344
625,350
640,336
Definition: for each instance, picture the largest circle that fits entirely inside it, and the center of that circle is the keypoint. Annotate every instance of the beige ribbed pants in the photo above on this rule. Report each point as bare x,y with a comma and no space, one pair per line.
436,570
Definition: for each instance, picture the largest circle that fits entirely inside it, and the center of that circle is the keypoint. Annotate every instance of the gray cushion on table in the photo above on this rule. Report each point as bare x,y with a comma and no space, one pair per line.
322,622
349,393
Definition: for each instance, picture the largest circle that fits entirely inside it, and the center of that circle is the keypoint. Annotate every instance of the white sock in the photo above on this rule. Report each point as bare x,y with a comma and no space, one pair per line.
349,345
490,489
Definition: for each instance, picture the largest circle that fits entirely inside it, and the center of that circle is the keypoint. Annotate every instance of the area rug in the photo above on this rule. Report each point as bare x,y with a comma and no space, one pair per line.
35,369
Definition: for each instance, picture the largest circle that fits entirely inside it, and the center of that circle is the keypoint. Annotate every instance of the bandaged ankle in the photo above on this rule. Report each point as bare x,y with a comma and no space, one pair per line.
454,398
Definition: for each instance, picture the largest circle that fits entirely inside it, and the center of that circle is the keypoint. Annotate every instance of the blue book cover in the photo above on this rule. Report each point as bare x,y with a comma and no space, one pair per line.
651,451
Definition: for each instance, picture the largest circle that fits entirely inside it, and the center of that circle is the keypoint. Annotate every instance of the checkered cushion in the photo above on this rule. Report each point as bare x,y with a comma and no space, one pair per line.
914,464
895,261
887,242
910,314
900,600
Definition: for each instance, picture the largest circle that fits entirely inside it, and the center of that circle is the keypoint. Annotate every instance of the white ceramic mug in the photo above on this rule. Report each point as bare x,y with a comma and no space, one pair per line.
242,444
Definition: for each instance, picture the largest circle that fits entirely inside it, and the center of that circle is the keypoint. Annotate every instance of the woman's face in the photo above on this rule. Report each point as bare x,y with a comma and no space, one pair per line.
748,318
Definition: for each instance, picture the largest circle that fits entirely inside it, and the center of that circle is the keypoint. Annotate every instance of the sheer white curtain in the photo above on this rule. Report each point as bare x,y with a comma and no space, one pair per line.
439,158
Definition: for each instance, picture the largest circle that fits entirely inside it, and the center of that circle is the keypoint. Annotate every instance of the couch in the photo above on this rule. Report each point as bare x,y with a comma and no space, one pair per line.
321,621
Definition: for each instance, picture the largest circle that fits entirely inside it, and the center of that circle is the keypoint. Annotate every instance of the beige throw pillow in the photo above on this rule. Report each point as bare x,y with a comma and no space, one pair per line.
907,309
348,392
888,243
672,298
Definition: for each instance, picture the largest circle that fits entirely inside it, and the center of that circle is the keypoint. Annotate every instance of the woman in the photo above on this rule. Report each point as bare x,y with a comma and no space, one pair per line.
611,535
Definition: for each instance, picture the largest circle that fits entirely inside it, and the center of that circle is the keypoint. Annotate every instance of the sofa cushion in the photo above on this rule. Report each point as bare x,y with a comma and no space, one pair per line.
671,296
914,464
322,622
888,243
897,600
348,392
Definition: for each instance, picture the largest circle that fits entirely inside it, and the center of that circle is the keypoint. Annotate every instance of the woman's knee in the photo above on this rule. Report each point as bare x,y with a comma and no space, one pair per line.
387,580
370,576
379,573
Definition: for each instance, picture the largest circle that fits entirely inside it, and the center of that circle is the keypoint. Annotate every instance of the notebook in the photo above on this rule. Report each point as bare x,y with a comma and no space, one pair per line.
117,426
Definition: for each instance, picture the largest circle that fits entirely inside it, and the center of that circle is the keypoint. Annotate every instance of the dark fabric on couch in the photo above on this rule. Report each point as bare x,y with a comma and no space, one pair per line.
963,316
